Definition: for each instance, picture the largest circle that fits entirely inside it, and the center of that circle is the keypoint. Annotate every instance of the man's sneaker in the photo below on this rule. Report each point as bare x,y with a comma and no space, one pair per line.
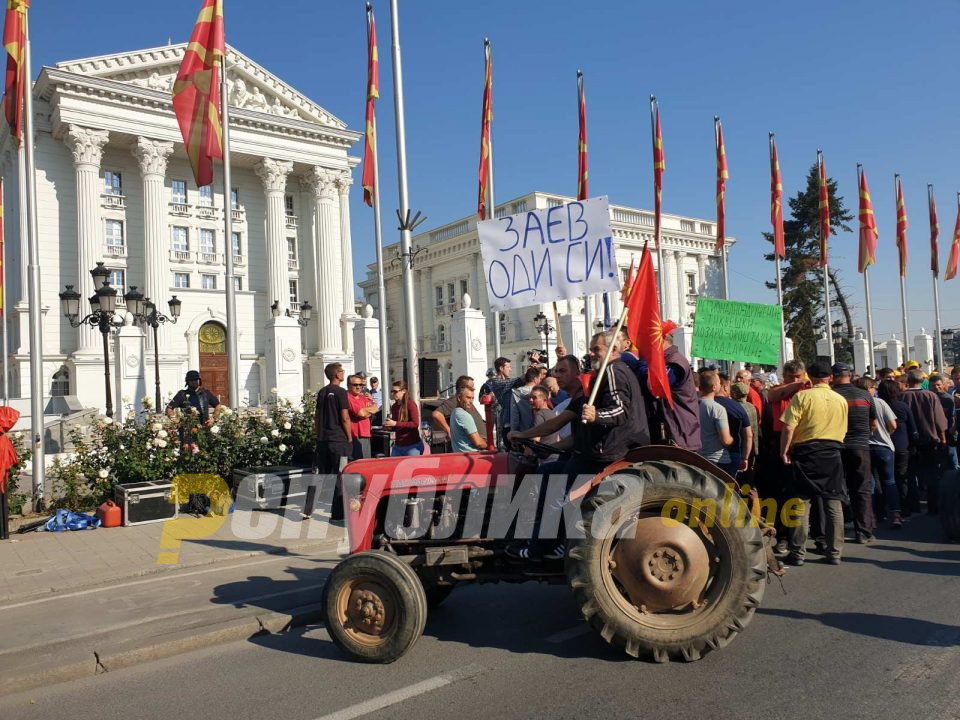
865,538
794,560
897,522
832,559
819,547
558,552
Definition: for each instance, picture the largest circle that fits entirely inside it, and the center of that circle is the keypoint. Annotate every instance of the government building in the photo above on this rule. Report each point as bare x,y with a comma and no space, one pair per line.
114,186
448,265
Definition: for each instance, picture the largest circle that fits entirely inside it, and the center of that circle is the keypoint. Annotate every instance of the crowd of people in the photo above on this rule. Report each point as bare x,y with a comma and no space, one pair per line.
871,448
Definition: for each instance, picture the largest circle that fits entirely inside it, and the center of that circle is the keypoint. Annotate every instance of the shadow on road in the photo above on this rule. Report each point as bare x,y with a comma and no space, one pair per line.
953,555
928,567
885,627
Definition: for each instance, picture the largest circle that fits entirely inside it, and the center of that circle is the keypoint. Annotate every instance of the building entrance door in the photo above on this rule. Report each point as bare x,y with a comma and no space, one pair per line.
213,360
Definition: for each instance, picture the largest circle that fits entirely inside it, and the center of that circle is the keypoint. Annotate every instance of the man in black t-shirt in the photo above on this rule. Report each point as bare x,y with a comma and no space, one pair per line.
332,423
861,417
193,397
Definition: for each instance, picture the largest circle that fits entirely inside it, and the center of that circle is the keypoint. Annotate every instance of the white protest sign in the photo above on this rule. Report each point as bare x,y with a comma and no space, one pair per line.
549,254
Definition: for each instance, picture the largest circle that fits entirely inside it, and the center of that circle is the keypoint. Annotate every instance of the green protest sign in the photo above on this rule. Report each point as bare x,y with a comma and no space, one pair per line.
742,331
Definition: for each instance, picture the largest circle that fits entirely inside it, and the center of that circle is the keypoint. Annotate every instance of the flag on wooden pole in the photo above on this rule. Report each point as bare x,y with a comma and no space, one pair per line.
486,119
776,201
15,41
824,209
901,229
645,329
868,227
373,92
934,235
951,272
722,176
582,174
659,166
196,97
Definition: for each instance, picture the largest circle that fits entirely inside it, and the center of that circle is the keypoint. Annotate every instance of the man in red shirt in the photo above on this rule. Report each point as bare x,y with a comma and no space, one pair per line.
362,408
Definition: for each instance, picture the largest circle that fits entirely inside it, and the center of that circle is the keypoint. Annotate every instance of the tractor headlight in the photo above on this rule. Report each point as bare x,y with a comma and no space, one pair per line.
354,483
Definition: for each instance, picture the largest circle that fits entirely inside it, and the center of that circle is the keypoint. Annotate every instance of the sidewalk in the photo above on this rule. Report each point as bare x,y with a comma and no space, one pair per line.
79,603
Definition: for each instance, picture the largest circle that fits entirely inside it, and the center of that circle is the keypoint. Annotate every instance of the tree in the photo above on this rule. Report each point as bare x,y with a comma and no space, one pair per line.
802,276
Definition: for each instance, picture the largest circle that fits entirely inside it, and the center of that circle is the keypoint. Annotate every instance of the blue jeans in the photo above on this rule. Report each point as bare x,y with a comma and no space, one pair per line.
881,457
405,450
954,460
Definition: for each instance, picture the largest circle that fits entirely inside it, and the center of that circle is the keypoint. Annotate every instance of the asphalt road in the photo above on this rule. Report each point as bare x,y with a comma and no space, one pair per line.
878,637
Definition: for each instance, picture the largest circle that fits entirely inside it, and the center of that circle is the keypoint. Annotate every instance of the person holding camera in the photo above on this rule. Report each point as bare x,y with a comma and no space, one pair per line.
193,398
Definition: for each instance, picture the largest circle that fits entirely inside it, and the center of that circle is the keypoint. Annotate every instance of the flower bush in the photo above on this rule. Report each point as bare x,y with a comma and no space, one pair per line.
16,499
154,447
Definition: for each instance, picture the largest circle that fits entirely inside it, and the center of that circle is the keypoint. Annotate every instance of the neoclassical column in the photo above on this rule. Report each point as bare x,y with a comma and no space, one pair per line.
678,256
86,145
309,262
702,274
328,251
344,181
152,156
273,175
669,274
429,322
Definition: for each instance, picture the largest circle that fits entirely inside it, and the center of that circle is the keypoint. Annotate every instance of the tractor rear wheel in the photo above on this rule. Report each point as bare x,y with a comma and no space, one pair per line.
661,587
950,504
375,607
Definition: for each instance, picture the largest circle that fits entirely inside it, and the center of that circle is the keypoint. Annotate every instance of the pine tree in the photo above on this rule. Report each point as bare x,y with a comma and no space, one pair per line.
802,278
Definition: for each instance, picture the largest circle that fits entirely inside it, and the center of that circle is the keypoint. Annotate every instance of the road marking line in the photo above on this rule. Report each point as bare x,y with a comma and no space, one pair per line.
568,634
399,696
205,570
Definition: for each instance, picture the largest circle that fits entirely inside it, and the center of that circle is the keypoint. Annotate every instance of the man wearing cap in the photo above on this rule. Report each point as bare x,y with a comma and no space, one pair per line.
814,426
932,437
193,397
861,420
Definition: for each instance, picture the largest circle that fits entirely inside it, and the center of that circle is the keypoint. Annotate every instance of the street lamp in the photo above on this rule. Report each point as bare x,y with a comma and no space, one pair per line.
543,326
145,312
303,319
103,306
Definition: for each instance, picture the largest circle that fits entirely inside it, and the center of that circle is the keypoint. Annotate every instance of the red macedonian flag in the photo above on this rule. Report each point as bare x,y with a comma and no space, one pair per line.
582,174
868,227
15,41
196,92
934,236
722,176
901,229
485,120
776,202
659,165
951,272
373,92
644,328
824,211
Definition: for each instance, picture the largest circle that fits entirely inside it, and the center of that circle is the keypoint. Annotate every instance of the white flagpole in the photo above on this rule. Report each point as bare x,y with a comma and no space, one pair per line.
866,295
233,355
381,285
413,384
826,274
33,282
3,303
903,284
941,366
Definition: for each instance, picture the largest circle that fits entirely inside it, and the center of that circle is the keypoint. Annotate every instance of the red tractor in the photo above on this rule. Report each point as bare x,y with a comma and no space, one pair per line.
663,556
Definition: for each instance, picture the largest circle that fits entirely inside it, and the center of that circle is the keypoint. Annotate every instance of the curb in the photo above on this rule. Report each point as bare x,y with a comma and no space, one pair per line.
103,661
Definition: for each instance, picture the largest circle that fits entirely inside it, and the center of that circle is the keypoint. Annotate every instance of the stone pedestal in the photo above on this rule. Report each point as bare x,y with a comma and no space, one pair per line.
283,359
861,355
86,379
923,351
789,356
131,381
823,348
366,343
468,333
572,331
683,340
894,353
316,363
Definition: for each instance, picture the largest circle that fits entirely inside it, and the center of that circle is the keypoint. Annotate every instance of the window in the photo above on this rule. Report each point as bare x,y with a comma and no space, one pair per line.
463,288
442,335
288,205
112,184
60,386
691,283
450,298
439,290
117,280
503,326
235,242
181,280
292,249
234,199
237,283
208,282
294,293
114,233
206,196
178,191
208,243
180,241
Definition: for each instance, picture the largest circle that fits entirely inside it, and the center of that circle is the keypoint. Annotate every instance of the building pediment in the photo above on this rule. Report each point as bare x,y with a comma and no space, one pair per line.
251,86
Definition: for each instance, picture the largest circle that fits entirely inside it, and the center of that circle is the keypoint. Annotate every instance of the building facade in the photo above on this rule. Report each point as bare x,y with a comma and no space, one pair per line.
114,185
448,266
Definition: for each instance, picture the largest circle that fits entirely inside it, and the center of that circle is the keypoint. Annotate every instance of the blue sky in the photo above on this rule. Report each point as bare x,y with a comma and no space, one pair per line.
871,82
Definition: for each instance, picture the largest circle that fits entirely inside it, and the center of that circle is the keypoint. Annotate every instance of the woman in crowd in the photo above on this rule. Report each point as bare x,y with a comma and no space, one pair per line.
890,392
405,420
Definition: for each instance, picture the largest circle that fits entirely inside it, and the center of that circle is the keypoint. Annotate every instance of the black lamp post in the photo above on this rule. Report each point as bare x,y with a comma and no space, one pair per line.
103,306
543,326
303,319
145,312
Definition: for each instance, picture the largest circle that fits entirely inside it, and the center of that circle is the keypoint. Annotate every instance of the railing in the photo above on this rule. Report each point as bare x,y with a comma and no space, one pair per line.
238,259
291,221
706,228
177,208
116,250
210,258
237,214
206,212
292,264
443,346
109,200
450,231
686,225
181,255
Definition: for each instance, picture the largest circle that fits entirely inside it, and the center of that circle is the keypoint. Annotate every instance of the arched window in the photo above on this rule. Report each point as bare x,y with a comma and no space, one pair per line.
60,384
